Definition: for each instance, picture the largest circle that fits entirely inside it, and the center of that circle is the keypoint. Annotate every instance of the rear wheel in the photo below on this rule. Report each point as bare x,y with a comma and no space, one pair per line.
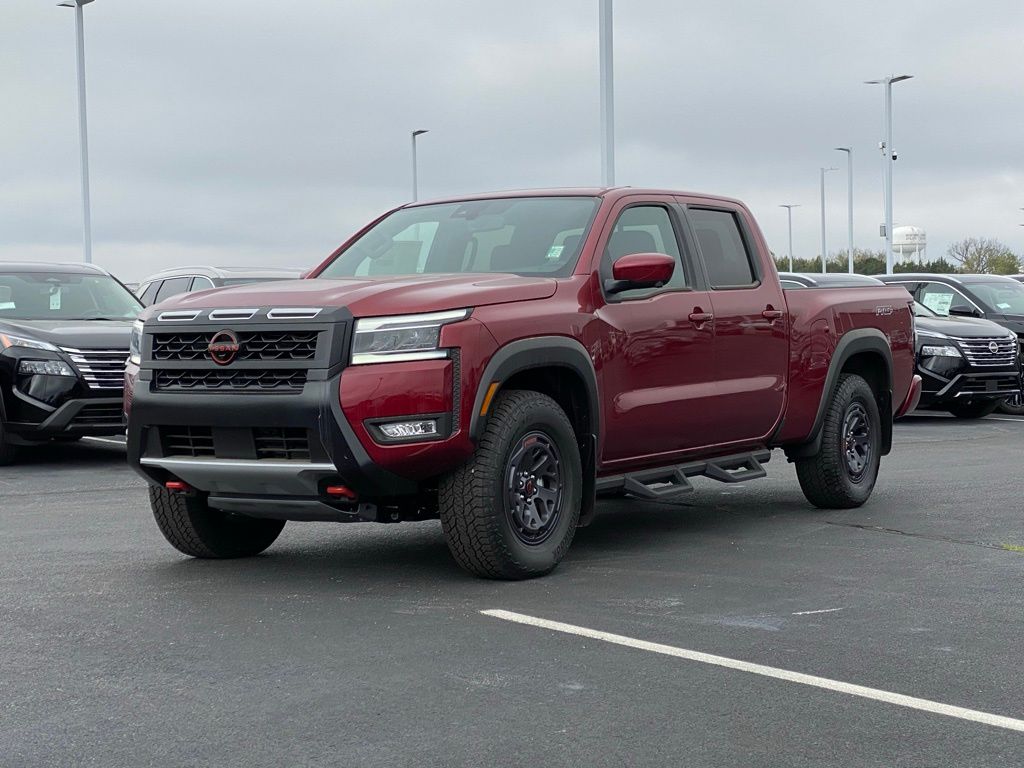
195,528
511,511
843,473
973,410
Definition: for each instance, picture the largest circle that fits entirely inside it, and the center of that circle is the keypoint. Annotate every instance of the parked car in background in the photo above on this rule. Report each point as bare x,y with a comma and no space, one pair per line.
993,297
171,282
830,280
64,338
1018,278
498,360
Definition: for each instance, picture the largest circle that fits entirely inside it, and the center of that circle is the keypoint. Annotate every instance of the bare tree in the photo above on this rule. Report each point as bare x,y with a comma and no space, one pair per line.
984,255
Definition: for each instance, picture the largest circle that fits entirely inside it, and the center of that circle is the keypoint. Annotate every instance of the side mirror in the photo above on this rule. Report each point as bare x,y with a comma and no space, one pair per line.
640,270
963,310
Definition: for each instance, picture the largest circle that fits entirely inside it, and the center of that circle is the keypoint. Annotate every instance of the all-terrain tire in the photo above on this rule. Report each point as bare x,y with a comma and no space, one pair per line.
196,529
975,409
477,512
8,452
828,480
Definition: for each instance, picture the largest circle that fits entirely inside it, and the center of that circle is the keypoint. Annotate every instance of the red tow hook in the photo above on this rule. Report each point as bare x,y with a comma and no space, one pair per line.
177,486
341,492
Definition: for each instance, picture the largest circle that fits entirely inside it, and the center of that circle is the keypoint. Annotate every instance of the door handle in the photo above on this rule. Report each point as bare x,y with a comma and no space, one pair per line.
772,314
697,317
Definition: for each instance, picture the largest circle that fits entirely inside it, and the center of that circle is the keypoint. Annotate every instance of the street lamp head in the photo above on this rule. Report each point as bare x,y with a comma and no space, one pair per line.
888,80
833,168
72,3
420,132
898,78
844,149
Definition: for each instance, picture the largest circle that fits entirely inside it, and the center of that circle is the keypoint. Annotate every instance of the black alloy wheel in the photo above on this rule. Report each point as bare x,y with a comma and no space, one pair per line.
857,441
533,482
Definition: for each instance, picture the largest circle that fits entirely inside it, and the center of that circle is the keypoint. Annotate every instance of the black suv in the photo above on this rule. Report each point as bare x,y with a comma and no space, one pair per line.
64,339
993,297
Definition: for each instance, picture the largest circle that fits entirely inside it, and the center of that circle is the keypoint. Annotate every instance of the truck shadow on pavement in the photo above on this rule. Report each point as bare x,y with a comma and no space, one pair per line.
78,453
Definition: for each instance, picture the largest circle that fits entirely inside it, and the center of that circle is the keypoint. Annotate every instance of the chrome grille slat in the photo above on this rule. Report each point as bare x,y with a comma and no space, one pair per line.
977,351
100,368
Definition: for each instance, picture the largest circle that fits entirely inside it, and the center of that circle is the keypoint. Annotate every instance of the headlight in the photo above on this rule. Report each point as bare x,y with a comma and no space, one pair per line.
7,341
135,344
402,337
944,350
44,368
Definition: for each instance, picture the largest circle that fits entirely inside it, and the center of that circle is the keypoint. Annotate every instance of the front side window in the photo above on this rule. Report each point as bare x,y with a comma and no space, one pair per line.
725,253
60,296
939,297
524,236
643,229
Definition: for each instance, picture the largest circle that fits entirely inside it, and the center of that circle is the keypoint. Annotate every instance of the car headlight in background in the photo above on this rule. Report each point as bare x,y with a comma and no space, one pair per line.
401,338
135,344
940,350
44,368
7,341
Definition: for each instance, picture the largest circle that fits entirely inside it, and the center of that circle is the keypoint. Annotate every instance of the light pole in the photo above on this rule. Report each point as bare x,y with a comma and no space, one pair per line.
415,183
607,95
83,134
789,215
824,254
849,204
890,156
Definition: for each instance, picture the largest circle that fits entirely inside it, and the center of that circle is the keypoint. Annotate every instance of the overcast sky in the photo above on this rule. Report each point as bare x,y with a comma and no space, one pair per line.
260,132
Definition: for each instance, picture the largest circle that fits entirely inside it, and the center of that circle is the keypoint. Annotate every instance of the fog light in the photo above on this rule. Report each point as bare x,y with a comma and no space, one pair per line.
45,368
398,430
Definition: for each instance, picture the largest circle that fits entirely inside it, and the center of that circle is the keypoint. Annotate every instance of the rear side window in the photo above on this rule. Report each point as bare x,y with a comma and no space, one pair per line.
173,287
725,253
200,283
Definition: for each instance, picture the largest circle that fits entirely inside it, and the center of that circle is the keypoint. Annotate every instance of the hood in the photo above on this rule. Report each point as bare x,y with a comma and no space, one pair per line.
369,297
963,327
79,334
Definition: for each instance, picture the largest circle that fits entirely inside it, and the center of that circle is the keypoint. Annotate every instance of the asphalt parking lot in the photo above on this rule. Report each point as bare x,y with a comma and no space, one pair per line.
364,645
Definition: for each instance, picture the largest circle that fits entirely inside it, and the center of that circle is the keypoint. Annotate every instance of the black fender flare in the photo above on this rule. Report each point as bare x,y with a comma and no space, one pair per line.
850,344
546,352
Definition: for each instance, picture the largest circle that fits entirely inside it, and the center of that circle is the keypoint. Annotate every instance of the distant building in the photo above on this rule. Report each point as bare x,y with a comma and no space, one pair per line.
909,244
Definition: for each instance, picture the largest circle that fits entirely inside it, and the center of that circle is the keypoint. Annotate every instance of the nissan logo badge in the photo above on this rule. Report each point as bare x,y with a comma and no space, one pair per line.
223,347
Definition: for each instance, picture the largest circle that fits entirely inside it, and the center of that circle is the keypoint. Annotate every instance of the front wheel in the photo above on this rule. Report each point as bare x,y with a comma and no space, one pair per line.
1013,405
973,410
843,473
196,529
512,510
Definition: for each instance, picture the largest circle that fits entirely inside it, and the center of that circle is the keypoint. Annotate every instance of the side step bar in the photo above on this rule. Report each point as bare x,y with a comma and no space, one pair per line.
663,483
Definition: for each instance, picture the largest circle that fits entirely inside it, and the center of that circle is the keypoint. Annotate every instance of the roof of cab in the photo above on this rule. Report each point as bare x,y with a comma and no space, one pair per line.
610,193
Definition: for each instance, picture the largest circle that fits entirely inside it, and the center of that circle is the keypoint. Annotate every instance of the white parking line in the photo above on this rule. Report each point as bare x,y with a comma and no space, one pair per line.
911,702
105,440
822,610
1000,418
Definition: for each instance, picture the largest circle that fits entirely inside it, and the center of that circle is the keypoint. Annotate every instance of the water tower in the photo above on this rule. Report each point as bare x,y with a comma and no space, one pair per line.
908,243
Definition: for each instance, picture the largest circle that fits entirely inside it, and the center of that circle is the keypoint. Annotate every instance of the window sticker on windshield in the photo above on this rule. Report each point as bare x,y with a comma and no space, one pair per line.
938,302
1003,305
55,299
555,252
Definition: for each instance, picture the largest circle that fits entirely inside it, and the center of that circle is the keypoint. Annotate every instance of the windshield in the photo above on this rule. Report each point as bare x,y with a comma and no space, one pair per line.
59,296
522,236
1002,297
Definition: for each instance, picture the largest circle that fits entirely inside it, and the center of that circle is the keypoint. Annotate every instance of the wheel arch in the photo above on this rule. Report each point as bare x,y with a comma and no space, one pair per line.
865,352
557,366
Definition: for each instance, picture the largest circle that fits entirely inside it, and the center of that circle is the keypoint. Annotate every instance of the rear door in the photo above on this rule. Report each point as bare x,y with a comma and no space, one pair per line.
654,354
751,322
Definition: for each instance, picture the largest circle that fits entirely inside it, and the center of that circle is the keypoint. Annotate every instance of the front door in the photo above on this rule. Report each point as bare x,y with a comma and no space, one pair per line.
654,348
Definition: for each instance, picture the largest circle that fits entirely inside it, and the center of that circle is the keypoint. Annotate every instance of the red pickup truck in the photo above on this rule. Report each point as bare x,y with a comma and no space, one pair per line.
499,361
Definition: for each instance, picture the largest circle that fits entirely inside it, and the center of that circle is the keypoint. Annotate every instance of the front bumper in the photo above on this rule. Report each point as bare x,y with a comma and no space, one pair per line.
75,418
970,385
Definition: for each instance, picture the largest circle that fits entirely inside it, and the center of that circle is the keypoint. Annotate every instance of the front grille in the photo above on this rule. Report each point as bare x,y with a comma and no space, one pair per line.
101,368
979,353
291,443
252,345
99,416
187,441
194,379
